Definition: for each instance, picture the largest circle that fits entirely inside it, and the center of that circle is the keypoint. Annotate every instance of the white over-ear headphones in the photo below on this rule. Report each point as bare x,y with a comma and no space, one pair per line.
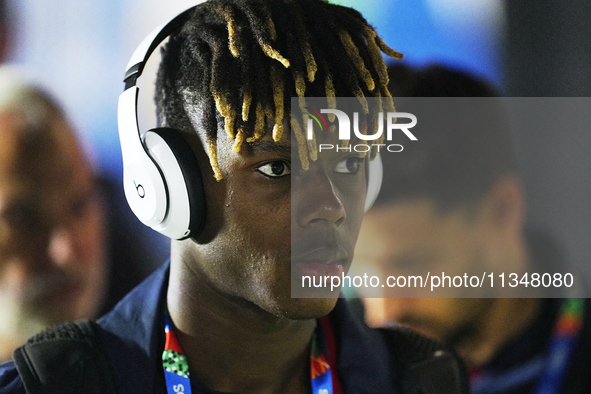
161,178
375,174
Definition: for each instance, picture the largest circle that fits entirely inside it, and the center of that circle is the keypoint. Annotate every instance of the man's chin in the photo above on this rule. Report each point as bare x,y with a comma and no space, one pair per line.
307,308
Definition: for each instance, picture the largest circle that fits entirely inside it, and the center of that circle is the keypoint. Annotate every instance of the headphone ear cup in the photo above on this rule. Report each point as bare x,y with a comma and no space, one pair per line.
375,174
184,186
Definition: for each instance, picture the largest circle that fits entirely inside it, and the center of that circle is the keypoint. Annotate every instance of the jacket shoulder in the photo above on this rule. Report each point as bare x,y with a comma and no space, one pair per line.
10,381
425,365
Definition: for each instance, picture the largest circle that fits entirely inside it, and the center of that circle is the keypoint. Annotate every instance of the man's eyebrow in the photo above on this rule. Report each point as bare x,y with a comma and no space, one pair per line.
269,147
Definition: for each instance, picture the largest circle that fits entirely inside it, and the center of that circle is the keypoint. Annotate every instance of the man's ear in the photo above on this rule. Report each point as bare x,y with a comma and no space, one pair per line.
505,206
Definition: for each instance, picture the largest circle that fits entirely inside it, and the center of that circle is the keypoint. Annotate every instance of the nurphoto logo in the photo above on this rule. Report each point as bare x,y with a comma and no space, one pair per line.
344,127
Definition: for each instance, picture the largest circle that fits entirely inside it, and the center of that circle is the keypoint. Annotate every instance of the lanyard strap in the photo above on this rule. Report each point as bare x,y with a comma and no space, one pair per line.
176,367
561,348
320,370
549,369
174,362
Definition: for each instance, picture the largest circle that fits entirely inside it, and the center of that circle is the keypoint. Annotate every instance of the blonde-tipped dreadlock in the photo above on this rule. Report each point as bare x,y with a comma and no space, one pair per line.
356,58
239,140
259,126
279,99
302,144
246,105
212,152
330,96
244,59
228,15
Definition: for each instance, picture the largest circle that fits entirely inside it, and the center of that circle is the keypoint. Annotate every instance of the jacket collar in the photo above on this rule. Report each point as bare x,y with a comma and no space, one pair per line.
133,334
365,363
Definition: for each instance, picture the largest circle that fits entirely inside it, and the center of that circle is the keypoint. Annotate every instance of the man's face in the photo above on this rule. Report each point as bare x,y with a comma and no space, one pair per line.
52,259
413,238
267,211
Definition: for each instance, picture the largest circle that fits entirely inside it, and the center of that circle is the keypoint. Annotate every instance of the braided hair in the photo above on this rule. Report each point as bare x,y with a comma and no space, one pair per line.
240,61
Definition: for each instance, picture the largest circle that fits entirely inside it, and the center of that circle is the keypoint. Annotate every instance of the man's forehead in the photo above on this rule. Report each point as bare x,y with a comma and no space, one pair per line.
289,142
46,158
264,145
282,147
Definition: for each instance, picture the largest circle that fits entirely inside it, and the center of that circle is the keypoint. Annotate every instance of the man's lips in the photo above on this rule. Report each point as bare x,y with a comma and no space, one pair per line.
321,262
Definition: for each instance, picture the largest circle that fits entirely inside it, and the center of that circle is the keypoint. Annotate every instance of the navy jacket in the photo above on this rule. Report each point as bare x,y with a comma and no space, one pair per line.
133,335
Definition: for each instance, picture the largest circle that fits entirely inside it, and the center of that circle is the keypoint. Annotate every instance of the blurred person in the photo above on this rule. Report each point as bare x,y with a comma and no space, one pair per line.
70,247
53,258
454,200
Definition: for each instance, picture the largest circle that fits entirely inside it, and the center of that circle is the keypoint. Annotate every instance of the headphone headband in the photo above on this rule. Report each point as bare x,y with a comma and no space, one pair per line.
140,56
161,178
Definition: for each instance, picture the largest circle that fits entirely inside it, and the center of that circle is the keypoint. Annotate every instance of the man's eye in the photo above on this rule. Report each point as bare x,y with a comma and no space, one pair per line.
79,207
350,165
275,169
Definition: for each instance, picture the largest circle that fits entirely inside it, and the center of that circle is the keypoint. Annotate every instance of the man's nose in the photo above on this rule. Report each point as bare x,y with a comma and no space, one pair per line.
61,245
318,201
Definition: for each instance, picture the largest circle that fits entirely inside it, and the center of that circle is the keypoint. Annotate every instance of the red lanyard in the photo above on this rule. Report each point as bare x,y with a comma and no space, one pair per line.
323,378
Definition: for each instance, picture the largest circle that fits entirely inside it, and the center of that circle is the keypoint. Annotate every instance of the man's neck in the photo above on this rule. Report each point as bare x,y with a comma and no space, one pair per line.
234,346
504,318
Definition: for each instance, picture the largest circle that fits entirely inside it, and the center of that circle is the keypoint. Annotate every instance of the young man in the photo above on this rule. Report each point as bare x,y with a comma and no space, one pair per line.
456,200
220,317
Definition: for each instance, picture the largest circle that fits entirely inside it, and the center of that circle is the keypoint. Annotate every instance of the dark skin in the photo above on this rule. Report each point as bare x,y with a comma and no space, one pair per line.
229,289
232,345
